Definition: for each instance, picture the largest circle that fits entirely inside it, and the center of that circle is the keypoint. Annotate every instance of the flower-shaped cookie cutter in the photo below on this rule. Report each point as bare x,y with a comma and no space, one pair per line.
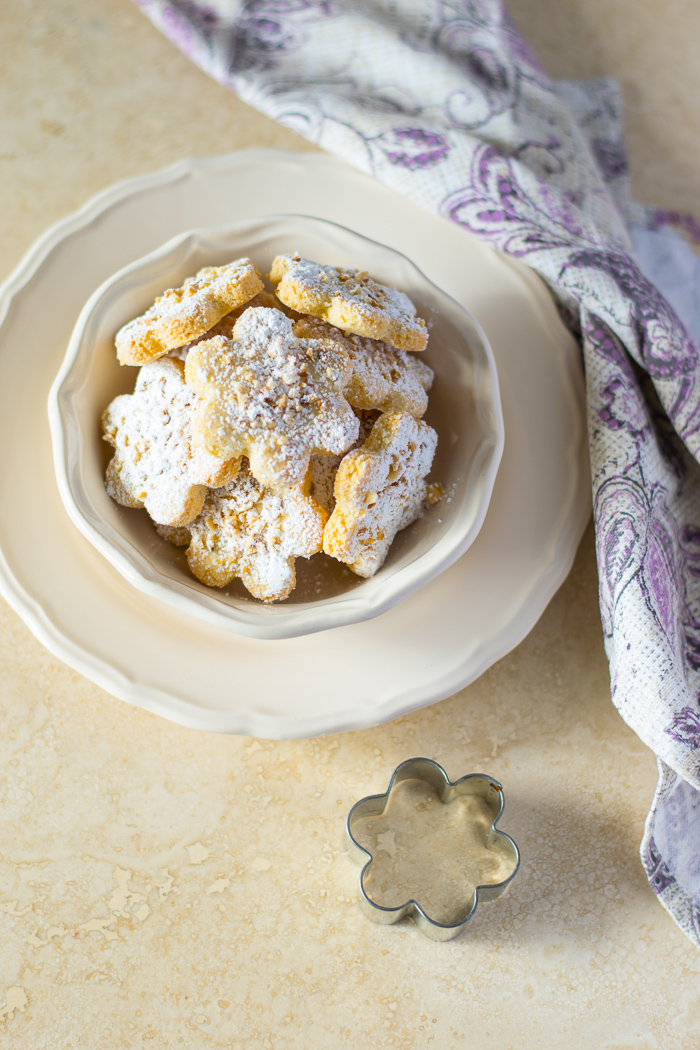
485,788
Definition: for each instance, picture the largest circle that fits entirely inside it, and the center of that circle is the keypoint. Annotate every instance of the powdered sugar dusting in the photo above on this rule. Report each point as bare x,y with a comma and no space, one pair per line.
227,323
289,387
247,531
155,464
379,489
271,396
177,535
181,314
382,376
325,468
350,299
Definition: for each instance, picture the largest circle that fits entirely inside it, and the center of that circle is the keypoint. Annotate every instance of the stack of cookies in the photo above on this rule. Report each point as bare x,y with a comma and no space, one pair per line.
268,427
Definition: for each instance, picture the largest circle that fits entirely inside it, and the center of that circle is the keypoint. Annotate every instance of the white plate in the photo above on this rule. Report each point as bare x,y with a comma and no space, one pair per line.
464,409
424,649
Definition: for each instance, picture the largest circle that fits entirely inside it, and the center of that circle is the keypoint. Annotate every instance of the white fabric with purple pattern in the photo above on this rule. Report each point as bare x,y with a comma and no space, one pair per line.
442,100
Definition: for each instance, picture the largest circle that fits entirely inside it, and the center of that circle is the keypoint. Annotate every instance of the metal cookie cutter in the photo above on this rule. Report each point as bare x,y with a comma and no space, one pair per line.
488,803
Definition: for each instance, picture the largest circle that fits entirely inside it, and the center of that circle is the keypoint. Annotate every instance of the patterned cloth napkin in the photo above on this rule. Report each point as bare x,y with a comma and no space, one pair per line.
442,100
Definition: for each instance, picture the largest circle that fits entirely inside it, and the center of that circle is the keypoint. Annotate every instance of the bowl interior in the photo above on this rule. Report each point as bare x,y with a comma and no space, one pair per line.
464,410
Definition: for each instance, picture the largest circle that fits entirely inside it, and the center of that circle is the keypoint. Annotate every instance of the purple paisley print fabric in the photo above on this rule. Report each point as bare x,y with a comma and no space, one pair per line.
443,101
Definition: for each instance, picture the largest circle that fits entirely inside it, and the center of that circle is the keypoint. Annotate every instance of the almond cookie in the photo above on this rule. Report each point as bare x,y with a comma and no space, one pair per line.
382,377
379,489
264,298
349,299
179,315
155,464
177,535
250,532
271,396
226,325
321,478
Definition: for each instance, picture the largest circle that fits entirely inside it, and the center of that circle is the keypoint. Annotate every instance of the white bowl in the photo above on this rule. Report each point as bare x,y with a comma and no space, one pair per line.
464,409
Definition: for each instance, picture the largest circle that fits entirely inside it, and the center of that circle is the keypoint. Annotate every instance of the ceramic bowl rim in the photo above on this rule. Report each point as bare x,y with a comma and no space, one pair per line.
257,619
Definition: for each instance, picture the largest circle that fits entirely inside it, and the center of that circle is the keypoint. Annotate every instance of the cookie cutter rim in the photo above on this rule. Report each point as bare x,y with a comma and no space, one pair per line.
429,771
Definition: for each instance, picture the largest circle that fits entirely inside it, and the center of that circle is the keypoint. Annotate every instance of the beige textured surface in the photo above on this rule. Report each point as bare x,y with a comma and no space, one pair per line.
651,47
163,887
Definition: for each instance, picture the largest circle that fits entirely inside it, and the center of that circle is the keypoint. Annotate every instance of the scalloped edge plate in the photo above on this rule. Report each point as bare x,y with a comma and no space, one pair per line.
426,647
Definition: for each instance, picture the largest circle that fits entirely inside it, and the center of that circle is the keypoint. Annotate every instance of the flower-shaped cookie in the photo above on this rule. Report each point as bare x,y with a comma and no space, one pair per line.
382,377
250,532
430,848
379,489
178,535
179,315
155,464
227,323
350,299
271,396
323,469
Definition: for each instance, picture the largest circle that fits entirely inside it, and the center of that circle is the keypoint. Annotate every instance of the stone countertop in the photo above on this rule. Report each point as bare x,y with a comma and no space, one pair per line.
144,894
